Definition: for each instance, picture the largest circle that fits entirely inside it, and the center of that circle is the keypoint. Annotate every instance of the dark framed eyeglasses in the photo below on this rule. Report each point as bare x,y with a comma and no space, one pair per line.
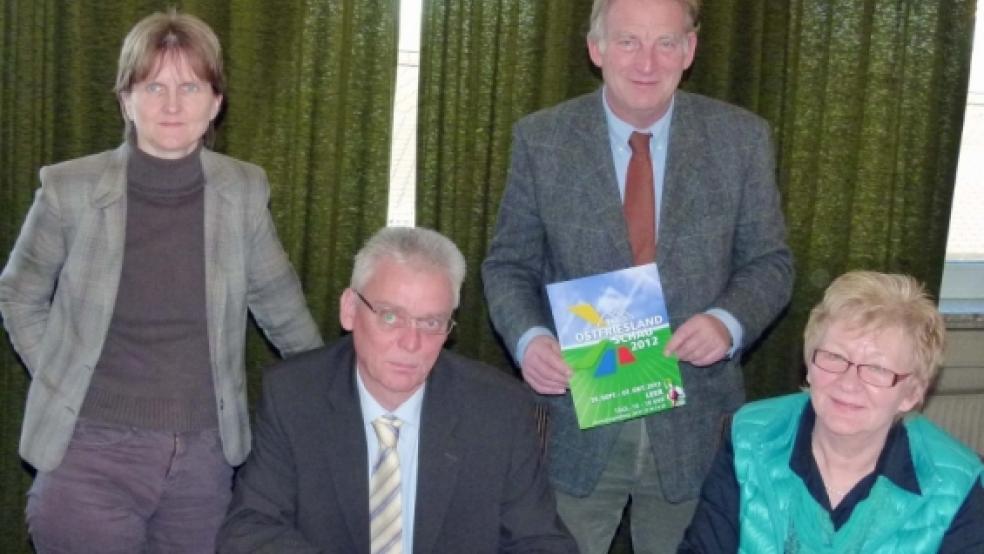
872,374
395,318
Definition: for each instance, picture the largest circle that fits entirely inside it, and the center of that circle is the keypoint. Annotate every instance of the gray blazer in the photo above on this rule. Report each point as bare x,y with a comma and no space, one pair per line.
481,486
721,243
58,291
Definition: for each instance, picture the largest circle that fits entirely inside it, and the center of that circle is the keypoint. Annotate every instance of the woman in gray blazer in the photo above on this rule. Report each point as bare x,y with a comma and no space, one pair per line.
126,297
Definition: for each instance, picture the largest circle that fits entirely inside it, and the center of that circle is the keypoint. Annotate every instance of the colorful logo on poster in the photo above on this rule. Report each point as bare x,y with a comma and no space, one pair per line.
611,357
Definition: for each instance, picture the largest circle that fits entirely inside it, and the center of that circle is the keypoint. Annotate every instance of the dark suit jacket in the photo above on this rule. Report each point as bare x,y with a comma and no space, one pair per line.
305,488
721,243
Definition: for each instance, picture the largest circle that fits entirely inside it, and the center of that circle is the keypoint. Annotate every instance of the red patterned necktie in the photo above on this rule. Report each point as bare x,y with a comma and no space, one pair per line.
640,200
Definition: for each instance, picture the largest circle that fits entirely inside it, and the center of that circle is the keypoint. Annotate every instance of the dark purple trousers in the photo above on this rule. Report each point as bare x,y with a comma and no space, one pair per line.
122,489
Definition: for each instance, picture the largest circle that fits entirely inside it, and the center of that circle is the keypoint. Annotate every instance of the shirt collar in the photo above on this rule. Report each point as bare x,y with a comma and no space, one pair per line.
619,131
408,412
894,463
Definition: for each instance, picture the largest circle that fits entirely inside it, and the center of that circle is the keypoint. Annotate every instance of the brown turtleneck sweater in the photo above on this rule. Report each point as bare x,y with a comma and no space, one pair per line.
154,370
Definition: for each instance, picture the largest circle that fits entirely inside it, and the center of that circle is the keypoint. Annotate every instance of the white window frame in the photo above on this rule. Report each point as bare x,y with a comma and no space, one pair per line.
962,289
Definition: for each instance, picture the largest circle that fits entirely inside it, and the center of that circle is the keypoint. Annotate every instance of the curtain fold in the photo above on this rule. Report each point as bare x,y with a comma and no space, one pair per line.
485,64
310,100
311,89
866,99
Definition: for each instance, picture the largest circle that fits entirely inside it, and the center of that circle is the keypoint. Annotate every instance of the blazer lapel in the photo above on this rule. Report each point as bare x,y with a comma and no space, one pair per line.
594,169
682,172
109,229
112,182
223,237
346,439
439,456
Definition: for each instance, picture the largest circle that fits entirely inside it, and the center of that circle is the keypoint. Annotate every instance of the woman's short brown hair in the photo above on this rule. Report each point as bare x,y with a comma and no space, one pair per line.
168,34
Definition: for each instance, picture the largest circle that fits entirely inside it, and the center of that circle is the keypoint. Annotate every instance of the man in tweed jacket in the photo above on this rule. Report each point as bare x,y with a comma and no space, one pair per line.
725,267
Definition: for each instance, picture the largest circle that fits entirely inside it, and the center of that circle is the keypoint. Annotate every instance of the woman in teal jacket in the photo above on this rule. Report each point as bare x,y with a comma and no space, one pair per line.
837,469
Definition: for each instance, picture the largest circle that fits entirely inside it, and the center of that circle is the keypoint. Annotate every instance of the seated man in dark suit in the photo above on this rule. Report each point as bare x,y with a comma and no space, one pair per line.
382,441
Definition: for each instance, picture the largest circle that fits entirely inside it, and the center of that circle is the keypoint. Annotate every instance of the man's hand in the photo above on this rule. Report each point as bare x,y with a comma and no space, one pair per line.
543,366
701,341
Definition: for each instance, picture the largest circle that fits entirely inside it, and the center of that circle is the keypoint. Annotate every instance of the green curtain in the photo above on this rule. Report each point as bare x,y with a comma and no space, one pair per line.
866,100
310,99
484,64
311,88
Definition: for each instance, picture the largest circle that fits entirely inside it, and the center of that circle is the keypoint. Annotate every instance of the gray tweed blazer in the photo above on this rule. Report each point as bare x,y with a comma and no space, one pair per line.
721,243
58,291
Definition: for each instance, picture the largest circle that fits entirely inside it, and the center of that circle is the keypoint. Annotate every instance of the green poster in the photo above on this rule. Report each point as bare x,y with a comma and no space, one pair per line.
612,329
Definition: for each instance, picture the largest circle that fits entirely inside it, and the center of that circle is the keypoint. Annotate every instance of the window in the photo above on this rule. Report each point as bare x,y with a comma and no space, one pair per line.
963,273
403,152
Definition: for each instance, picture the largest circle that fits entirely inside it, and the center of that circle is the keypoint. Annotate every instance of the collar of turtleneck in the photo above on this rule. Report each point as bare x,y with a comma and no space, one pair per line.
168,177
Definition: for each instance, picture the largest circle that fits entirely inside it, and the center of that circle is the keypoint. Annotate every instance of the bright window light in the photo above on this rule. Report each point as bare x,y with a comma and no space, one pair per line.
403,152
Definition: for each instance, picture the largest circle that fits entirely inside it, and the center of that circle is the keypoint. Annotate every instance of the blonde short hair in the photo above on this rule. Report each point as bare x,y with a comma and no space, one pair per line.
599,11
869,301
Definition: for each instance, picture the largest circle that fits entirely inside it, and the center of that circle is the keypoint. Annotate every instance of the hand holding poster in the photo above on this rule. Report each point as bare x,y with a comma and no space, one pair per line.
612,329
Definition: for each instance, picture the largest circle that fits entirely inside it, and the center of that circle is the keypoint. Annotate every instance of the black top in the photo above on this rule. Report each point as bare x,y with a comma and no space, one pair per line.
715,527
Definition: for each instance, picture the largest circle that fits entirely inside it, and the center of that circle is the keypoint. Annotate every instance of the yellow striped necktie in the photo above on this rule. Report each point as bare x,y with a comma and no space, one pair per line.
385,502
